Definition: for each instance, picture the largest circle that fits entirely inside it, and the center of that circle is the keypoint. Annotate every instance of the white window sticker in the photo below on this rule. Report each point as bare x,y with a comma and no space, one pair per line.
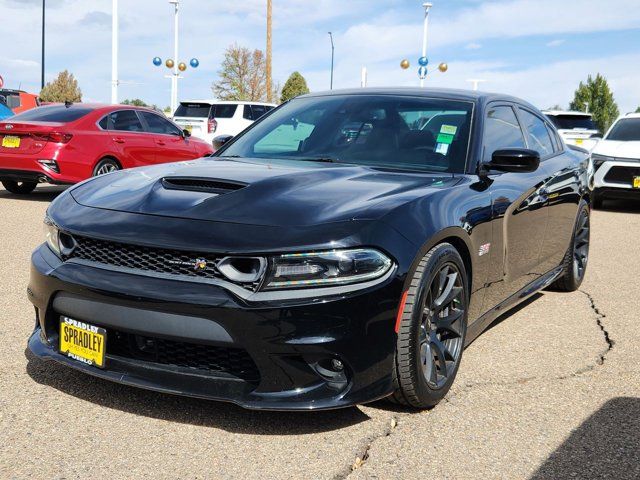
442,148
449,129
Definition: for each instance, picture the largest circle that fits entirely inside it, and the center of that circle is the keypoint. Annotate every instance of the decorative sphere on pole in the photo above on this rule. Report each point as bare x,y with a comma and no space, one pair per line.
182,66
443,67
194,62
169,63
157,61
404,64
423,61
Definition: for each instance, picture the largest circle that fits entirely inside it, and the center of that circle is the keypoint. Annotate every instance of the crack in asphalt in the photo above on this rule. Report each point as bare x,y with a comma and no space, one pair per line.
599,320
363,456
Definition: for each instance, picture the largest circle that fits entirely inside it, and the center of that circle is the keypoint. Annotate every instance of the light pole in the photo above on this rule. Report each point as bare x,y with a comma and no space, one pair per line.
175,74
426,6
269,52
475,82
42,63
114,52
332,55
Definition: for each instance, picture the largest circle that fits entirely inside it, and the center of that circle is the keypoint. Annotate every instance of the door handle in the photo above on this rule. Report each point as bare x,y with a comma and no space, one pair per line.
160,142
118,140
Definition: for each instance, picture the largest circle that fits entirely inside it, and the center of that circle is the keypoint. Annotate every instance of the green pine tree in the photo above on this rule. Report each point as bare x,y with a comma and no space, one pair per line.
598,95
294,86
63,89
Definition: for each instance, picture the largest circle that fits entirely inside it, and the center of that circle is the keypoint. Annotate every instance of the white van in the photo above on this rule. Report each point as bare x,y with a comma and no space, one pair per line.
207,119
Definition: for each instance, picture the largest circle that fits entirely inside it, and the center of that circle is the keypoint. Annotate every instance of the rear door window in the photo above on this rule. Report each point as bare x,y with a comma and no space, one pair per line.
157,124
60,114
248,113
125,121
258,111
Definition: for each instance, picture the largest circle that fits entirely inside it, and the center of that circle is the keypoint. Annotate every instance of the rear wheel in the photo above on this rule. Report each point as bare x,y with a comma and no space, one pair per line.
432,329
19,187
577,256
106,165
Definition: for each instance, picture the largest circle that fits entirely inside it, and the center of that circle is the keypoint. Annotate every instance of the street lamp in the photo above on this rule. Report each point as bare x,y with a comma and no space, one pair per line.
42,63
175,74
332,55
114,52
423,70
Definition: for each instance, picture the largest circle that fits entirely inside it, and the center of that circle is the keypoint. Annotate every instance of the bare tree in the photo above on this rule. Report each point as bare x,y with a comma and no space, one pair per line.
242,75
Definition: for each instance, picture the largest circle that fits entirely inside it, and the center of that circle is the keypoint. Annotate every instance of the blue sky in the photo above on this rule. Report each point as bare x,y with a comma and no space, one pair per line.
538,50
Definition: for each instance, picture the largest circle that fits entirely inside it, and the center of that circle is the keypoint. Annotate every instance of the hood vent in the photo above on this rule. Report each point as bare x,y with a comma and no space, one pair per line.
199,184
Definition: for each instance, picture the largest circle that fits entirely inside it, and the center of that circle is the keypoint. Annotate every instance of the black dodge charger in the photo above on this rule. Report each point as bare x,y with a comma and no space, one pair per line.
344,248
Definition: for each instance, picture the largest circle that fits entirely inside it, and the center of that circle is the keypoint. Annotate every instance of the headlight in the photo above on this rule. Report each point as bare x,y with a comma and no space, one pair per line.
52,235
600,159
336,267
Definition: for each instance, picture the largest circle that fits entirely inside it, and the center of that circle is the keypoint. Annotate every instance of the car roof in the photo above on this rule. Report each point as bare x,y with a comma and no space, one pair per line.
444,93
227,102
99,106
566,112
630,115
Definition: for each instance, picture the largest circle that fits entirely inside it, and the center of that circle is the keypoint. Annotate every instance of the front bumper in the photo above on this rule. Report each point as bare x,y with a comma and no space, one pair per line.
289,343
617,174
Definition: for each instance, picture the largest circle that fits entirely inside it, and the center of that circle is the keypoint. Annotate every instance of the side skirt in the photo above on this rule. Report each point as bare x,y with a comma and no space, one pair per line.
477,327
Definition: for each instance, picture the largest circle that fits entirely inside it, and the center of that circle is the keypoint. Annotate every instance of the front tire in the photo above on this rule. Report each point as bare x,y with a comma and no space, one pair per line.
19,188
432,329
577,256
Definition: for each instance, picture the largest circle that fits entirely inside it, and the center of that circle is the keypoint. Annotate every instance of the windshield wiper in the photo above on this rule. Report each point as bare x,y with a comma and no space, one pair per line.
319,159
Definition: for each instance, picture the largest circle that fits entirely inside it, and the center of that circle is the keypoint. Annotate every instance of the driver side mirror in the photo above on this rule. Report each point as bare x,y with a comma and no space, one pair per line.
512,160
186,133
220,140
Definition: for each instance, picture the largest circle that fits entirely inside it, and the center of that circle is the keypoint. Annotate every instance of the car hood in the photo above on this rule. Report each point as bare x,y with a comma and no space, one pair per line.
614,148
273,193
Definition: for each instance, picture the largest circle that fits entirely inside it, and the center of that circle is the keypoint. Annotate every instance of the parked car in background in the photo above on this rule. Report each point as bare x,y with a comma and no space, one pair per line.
64,144
616,159
575,128
207,119
335,253
18,100
5,112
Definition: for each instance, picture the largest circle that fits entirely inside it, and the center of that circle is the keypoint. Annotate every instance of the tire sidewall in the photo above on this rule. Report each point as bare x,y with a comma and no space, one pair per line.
102,162
442,254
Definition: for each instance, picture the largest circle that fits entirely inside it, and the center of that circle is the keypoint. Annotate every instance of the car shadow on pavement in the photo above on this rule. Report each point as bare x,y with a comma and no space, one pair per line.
40,194
193,411
620,206
605,446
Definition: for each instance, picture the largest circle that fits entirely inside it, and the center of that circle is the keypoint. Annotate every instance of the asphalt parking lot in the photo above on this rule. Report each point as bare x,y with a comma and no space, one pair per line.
552,390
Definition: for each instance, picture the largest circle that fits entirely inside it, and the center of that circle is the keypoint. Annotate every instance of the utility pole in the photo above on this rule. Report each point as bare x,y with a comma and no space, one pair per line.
269,87
114,52
175,74
332,55
42,62
426,6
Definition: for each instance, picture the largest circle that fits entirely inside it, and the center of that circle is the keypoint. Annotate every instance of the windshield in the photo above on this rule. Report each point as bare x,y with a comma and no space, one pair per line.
625,130
58,113
374,130
569,122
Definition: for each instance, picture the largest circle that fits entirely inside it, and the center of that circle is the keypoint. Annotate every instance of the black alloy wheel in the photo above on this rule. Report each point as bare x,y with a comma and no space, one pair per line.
432,329
575,260
20,188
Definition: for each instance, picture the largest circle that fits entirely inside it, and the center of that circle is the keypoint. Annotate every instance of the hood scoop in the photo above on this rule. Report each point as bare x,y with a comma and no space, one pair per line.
199,184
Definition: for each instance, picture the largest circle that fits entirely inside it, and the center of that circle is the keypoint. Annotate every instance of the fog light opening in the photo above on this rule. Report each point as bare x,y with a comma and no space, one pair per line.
333,371
50,165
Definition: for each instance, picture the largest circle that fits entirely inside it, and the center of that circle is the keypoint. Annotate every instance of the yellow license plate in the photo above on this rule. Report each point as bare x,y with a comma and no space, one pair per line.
188,128
578,141
11,141
636,182
83,342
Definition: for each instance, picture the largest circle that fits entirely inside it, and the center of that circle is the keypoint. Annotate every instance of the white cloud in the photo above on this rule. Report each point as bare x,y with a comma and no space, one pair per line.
473,46
555,43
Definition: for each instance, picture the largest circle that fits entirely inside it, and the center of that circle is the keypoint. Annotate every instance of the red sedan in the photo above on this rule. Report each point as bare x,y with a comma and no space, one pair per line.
63,144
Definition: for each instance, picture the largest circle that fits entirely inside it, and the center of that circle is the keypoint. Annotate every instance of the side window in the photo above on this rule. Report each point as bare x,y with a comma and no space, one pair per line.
13,101
126,121
248,114
537,134
258,111
160,125
104,123
501,130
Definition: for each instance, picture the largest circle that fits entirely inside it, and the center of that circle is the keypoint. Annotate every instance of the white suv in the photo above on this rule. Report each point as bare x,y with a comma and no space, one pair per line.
575,128
616,159
207,119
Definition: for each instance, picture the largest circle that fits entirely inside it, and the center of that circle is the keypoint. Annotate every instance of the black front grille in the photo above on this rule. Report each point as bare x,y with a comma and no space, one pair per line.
197,357
621,174
149,259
